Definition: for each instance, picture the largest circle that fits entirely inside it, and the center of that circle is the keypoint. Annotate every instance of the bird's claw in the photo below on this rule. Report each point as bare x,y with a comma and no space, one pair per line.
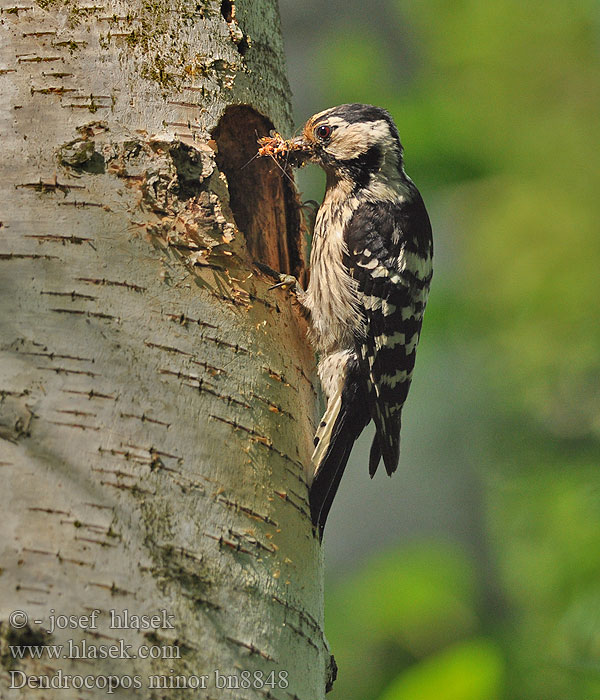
286,282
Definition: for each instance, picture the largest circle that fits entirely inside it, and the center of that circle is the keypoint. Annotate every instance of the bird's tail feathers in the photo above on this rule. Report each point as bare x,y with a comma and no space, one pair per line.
374,457
386,444
344,420
327,480
325,430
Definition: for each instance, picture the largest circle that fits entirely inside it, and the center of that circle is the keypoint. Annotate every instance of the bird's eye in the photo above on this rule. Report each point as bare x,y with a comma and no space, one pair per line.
323,132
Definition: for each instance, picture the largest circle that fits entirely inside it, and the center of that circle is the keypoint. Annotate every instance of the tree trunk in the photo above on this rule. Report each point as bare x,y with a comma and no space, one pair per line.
157,402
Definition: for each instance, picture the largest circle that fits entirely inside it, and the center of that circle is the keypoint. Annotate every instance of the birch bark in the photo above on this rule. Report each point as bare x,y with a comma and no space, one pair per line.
157,402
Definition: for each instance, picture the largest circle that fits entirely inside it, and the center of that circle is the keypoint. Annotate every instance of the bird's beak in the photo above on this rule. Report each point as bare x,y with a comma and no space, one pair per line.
300,151
298,142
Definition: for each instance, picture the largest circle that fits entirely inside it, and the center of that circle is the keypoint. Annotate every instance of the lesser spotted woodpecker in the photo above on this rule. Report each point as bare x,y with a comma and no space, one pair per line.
370,270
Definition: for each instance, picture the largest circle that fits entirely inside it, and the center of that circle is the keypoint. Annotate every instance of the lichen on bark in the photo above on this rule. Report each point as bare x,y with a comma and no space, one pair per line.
157,402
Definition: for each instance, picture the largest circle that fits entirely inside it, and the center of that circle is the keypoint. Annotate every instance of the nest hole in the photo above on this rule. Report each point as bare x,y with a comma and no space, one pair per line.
227,10
263,200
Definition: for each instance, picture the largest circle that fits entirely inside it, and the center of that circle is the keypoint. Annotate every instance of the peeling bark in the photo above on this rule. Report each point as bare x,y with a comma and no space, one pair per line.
157,402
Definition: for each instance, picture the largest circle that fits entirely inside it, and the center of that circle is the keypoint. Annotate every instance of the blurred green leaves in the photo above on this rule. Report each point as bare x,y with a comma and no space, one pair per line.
406,603
472,670
508,101
498,107
369,67
420,596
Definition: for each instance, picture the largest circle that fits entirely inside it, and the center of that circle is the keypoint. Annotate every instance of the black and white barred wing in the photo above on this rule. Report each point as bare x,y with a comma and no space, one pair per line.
389,257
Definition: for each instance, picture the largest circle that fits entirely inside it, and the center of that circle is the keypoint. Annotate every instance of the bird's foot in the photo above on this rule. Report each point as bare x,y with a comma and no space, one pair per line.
288,283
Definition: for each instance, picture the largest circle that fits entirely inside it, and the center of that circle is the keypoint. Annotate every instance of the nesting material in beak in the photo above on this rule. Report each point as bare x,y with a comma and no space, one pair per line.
294,152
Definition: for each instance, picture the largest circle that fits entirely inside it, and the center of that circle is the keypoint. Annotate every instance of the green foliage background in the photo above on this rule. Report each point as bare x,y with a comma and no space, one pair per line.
498,105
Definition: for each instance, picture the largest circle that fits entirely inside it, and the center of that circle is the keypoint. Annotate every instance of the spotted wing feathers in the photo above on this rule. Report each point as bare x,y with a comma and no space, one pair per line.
389,252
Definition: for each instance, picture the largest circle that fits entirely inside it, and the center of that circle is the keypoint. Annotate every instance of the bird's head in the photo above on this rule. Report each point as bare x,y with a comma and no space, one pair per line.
352,141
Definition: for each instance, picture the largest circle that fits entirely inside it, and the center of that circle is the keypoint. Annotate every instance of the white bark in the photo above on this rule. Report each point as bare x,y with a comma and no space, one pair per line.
156,402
